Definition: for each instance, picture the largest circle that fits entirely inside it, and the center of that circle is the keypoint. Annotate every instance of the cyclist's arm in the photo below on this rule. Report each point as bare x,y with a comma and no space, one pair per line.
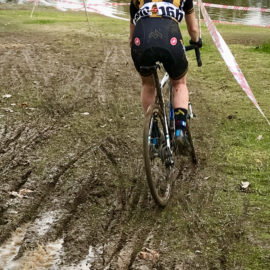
131,28
133,8
192,26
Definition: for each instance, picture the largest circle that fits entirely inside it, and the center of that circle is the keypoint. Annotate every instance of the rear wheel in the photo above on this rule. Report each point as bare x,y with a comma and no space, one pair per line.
159,167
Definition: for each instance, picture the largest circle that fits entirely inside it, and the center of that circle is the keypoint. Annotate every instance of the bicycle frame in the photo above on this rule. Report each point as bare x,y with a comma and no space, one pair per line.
159,100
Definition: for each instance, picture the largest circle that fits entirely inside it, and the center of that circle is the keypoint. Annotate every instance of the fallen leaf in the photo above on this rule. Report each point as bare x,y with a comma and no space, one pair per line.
258,161
149,254
245,185
15,194
8,110
23,192
143,255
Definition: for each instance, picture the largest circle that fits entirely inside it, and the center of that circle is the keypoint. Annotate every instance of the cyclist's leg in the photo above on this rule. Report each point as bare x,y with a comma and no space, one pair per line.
180,104
180,93
148,93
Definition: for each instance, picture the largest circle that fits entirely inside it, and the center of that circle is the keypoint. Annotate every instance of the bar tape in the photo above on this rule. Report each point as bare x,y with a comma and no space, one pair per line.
229,58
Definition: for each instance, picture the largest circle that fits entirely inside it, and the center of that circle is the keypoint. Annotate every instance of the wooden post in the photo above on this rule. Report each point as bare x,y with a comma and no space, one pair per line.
33,9
86,14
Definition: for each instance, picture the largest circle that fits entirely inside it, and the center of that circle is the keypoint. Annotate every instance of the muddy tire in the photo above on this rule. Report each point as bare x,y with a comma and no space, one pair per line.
159,176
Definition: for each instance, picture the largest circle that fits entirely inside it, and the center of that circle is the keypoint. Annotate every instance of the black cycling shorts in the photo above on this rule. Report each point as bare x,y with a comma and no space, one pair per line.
159,39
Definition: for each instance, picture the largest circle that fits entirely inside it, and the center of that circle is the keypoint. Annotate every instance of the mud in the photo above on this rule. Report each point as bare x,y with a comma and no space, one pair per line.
73,191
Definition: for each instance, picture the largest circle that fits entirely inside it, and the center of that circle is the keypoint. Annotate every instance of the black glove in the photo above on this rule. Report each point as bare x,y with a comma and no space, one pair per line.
197,44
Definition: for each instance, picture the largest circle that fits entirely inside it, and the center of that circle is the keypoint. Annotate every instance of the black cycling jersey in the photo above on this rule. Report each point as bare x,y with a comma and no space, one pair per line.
175,9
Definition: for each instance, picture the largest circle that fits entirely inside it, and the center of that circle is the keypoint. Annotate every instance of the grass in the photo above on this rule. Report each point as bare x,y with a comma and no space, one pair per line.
264,48
40,22
242,132
14,19
242,136
235,224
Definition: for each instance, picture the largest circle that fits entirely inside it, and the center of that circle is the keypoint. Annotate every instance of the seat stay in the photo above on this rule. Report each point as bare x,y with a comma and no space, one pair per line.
160,101
164,80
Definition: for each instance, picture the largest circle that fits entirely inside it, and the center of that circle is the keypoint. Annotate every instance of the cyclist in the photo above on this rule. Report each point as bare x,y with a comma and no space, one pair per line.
155,36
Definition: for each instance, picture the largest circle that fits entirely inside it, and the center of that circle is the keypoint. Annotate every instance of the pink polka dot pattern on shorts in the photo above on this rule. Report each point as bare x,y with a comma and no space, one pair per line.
173,41
137,41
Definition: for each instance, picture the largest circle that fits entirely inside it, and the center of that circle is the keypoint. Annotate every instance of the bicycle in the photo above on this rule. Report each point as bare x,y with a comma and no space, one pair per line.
160,153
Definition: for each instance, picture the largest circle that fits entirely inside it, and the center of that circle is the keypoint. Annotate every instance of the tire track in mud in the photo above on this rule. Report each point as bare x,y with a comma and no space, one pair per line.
41,193
98,80
43,72
15,167
16,71
114,59
45,192
15,147
29,60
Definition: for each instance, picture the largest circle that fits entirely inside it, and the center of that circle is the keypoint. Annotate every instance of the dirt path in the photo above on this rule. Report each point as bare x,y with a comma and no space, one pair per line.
73,192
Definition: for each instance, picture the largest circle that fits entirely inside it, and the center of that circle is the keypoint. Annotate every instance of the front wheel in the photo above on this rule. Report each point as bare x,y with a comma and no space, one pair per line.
158,161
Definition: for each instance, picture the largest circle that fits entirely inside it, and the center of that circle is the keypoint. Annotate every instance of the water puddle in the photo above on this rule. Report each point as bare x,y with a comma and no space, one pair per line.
86,263
43,257
10,248
43,224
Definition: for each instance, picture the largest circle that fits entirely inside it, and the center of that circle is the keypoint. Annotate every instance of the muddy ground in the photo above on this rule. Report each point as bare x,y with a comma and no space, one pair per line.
73,191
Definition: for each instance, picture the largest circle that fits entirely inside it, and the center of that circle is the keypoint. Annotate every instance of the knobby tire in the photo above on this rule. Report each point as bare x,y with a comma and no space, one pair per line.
159,177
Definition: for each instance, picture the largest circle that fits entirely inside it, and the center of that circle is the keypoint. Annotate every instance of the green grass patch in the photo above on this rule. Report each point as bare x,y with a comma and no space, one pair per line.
18,19
40,22
241,136
264,48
